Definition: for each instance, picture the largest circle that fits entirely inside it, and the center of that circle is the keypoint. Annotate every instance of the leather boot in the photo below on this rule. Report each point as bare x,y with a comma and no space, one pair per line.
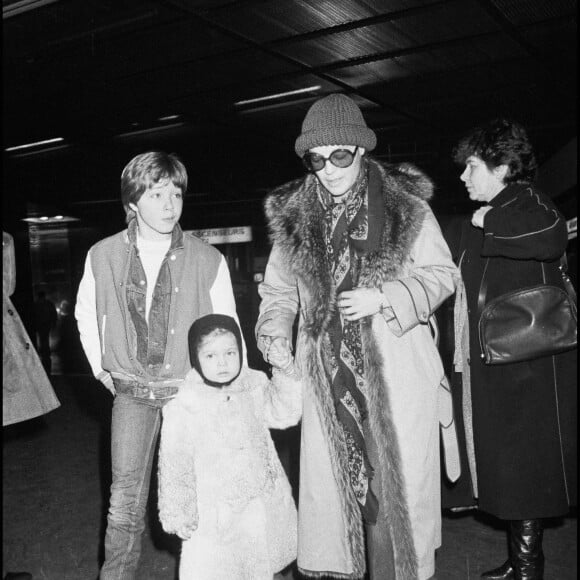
527,556
503,572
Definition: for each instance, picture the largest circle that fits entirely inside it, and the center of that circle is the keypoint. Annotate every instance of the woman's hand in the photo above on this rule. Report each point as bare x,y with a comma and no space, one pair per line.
479,215
360,302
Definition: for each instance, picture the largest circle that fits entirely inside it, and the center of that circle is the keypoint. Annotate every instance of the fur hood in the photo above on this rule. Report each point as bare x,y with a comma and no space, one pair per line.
295,223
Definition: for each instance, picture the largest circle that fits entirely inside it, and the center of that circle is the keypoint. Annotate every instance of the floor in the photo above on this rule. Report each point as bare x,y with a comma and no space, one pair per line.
55,484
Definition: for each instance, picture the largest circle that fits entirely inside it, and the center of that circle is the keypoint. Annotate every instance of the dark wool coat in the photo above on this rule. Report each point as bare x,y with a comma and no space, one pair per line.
413,266
26,390
524,414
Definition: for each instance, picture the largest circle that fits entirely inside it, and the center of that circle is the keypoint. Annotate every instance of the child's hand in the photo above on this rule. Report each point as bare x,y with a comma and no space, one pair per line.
186,531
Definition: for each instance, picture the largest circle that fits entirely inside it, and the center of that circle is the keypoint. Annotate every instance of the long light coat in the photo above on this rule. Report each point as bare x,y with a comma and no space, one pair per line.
403,365
219,474
26,389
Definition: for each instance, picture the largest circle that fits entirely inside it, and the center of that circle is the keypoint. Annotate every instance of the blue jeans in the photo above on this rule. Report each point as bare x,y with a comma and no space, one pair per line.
134,432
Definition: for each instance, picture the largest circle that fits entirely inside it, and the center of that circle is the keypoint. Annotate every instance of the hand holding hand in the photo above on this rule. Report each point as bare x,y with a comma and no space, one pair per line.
479,215
360,302
279,354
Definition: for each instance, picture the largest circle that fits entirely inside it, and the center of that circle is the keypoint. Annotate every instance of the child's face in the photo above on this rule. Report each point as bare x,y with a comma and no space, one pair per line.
219,358
158,210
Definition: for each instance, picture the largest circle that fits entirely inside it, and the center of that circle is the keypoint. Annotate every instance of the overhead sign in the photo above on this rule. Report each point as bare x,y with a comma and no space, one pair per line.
214,236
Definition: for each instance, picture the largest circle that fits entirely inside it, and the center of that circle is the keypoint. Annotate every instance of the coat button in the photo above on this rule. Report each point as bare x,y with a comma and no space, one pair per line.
27,346
11,312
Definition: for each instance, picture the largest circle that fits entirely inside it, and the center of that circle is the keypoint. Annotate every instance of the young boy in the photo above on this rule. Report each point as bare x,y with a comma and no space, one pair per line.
141,290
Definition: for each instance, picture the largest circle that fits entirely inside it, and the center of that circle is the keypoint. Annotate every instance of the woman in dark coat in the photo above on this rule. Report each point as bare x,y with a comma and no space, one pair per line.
521,423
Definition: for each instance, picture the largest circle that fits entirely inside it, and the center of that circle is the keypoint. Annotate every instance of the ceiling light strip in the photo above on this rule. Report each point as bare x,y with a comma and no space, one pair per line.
272,106
150,130
277,96
23,6
35,144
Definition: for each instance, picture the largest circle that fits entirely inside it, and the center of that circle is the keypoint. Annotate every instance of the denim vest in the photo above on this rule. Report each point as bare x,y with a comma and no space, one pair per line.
158,351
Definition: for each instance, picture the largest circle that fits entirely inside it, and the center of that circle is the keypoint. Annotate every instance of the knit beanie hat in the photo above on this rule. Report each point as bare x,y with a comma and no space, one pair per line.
200,329
334,120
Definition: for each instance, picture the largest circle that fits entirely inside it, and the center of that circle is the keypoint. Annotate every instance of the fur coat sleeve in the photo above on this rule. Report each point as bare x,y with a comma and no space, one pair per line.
178,509
282,404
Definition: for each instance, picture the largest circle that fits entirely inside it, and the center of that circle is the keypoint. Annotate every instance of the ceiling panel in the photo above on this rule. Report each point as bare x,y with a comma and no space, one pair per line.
527,11
423,71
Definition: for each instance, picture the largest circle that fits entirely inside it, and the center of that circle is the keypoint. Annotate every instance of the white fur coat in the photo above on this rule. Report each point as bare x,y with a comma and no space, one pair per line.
220,479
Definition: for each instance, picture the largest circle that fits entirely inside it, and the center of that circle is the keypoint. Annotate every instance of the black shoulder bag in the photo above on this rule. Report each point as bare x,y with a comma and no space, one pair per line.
528,323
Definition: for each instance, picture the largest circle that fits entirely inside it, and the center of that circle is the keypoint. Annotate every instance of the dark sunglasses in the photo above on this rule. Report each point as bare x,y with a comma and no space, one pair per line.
339,158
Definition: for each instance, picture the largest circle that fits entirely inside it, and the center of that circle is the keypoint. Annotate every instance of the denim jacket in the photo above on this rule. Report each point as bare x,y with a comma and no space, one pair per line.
158,351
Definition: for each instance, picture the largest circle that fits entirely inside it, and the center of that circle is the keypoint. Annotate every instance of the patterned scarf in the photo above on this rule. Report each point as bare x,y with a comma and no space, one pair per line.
346,229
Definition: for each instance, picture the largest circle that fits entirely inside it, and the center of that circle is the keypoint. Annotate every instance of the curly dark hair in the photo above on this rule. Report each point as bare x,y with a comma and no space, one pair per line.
500,142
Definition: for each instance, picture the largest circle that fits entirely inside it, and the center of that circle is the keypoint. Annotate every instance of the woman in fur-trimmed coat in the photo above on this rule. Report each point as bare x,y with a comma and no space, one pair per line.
386,420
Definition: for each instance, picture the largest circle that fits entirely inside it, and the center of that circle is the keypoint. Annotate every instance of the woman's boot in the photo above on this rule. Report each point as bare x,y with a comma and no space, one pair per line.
504,572
526,555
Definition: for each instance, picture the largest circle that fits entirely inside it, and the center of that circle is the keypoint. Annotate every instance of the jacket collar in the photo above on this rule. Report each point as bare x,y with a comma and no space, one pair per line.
176,236
510,191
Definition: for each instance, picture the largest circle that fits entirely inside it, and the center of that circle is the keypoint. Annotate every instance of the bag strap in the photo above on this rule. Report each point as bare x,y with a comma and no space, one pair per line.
482,290
563,267
568,286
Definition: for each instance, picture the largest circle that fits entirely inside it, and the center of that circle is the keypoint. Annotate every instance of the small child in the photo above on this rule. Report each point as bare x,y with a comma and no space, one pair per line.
222,488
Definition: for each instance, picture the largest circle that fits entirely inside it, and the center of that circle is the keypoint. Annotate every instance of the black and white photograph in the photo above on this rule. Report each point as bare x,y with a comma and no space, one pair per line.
289,289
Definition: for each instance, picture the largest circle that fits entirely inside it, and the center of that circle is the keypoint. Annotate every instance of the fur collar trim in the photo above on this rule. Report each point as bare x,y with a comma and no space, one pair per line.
295,223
